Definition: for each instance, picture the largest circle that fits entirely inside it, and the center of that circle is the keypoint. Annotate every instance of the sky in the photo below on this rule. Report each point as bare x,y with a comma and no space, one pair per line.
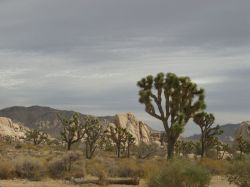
87,55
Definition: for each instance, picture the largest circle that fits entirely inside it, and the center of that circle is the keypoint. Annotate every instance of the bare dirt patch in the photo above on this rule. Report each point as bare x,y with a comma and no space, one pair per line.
217,181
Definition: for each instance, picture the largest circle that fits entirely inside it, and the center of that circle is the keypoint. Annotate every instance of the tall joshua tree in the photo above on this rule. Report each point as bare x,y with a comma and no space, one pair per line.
172,100
72,129
208,133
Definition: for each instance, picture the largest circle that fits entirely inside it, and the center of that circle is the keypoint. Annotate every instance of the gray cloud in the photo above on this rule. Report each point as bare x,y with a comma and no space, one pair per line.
87,55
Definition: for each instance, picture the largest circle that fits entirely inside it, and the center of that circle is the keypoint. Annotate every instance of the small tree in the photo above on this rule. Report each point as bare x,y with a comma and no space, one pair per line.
221,149
243,145
72,131
94,132
118,135
184,147
130,142
172,100
36,137
205,121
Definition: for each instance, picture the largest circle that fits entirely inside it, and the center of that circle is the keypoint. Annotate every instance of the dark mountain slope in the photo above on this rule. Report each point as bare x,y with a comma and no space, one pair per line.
43,118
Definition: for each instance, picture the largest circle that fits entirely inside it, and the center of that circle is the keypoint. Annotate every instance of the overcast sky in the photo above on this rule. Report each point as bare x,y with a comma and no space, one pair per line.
87,55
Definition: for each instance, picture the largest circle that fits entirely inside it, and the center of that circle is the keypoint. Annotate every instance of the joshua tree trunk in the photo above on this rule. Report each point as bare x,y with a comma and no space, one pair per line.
170,147
202,145
118,151
128,154
69,146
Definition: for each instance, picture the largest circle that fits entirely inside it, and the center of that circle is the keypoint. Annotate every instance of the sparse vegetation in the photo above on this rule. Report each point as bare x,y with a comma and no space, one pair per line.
238,172
180,173
29,168
66,165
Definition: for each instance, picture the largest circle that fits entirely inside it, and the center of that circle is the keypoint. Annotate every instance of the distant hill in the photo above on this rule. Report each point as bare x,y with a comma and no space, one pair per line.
227,136
38,117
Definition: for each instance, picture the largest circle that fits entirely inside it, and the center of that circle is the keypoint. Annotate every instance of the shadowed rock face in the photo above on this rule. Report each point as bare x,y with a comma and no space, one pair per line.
10,129
140,131
243,131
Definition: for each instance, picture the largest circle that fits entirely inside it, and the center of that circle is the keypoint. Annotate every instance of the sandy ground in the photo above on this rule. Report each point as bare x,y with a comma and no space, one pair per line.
217,181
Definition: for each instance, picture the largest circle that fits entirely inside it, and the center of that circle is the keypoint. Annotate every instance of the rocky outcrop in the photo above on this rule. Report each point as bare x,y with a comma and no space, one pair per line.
11,130
243,131
138,129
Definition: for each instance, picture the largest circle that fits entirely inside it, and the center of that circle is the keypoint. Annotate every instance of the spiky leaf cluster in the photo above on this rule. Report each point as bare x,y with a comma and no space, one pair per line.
73,129
93,133
182,98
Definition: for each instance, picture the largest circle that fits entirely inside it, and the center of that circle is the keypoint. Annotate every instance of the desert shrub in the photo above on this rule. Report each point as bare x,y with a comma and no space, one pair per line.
97,167
6,169
238,172
69,158
18,146
214,166
125,168
66,165
122,167
56,168
144,150
180,173
29,168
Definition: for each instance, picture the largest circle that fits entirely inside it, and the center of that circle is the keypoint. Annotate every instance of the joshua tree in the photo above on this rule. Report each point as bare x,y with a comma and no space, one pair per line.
94,132
221,149
118,135
184,147
37,137
172,100
130,142
73,129
208,133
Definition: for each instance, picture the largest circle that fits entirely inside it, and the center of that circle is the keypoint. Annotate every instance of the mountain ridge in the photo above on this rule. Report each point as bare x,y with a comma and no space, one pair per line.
42,117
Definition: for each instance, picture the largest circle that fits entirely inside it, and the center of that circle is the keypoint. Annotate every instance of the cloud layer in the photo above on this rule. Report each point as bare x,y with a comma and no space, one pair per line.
87,55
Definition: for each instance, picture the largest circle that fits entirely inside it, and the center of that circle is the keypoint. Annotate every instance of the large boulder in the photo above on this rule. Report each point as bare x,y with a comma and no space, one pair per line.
243,131
11,130
140,131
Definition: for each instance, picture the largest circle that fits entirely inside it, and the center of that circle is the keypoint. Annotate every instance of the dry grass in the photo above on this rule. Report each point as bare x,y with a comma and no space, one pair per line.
216,167
104,165
6,169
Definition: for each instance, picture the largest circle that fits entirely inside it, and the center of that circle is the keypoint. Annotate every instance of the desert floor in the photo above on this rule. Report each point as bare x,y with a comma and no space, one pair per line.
217,181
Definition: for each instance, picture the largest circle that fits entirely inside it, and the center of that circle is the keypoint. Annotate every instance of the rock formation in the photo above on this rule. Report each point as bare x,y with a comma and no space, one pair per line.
138,129
11,130
243,131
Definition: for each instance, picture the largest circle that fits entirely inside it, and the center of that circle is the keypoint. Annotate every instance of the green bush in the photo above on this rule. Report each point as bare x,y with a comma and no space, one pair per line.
180,173
29,168
238,172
